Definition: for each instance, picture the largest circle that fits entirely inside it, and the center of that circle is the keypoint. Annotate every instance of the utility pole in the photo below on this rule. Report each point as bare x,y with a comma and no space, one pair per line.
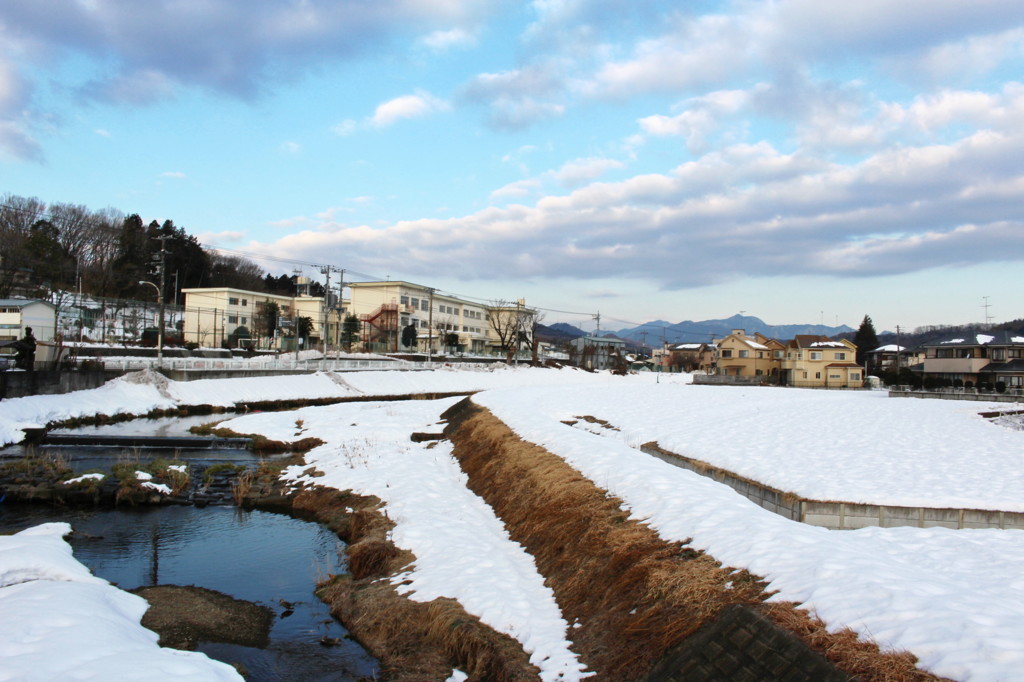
326,271
430,325
898,347
341,297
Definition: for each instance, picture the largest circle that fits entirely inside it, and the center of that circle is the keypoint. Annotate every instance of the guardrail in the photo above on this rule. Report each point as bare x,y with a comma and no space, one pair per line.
253,365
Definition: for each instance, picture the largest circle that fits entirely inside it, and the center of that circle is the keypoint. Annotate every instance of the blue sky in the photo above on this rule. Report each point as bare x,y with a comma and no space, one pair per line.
797,160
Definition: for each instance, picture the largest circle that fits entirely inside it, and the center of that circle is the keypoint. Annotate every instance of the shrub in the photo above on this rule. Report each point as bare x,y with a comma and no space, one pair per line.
1000,387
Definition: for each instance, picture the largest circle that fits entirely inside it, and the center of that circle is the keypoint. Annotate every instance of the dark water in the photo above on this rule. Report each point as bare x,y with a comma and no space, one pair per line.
258,556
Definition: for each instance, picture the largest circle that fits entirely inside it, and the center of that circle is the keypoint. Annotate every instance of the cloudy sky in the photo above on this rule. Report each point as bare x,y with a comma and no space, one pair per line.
797,160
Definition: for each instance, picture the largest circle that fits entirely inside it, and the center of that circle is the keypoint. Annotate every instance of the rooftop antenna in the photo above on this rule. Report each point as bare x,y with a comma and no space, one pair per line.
986,306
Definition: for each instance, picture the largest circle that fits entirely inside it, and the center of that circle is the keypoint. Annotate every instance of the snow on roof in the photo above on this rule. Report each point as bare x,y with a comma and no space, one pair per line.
828,344
1017,339
890,348
985,338
953,341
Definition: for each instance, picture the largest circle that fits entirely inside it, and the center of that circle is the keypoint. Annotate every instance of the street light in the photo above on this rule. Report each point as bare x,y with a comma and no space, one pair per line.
160,325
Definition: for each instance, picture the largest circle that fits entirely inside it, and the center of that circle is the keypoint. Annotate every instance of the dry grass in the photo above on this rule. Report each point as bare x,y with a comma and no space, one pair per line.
845,648
412,640
632,595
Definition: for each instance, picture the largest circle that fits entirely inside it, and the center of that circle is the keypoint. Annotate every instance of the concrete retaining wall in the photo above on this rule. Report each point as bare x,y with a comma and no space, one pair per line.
842,515
962,394
21,384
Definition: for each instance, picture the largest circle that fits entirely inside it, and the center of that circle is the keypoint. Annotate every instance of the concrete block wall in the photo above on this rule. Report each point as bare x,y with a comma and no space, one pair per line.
842,515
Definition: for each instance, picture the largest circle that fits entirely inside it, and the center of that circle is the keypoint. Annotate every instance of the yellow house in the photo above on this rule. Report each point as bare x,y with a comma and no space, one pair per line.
815,361
748,356
213,314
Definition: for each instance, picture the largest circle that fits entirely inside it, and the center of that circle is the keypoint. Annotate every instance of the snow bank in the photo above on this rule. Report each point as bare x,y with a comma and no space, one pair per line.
60,622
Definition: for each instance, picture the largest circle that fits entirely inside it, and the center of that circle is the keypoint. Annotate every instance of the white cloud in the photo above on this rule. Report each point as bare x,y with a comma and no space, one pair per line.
747,211
289,147
407,106
517,189
344,128
172,174
580,171
448,39
101,132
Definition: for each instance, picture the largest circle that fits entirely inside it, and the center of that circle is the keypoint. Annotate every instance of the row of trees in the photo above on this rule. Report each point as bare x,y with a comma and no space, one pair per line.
50,250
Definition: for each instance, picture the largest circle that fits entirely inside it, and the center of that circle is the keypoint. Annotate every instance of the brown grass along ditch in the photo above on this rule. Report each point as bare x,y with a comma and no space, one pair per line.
631,596
413,641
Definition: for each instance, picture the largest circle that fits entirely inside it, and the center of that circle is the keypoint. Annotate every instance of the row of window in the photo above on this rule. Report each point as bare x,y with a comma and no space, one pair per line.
235,301
443,308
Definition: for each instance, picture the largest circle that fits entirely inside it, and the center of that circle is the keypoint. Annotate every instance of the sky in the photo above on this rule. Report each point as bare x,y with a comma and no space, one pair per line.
796,160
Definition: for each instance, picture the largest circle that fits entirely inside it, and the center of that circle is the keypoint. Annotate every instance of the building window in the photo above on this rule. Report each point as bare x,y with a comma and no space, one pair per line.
854,376
815,355
245,320
778,355
817,375
840,356
232,319
726,353
404,300
232,301
744,353
834,376
415,302
245,301
424,305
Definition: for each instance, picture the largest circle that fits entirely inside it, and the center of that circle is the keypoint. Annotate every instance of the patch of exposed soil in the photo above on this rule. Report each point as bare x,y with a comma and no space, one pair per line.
185,615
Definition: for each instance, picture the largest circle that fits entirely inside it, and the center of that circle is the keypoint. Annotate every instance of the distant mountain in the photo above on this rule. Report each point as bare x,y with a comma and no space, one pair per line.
559,333
691,331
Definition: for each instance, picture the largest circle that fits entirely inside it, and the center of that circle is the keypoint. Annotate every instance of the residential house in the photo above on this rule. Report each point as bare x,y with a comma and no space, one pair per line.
17,315
748,356
818,362
982,358
892,358
686,357
213,316
599,352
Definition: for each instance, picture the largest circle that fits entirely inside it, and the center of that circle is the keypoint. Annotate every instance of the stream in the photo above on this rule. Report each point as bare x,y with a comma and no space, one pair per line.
263,557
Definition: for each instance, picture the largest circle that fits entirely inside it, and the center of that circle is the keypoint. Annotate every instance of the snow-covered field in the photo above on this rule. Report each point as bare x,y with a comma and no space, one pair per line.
953,598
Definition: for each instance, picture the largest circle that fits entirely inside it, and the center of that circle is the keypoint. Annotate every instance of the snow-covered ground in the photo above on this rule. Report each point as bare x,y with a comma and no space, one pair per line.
953,598
59,622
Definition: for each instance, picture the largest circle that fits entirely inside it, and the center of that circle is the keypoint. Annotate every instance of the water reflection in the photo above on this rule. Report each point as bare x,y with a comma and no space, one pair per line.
267,558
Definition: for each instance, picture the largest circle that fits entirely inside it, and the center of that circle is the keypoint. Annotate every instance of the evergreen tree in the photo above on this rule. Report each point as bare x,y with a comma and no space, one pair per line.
866,340
409,336
349,331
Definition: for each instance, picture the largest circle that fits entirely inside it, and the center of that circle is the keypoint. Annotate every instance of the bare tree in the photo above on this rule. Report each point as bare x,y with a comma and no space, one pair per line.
17,215
512,324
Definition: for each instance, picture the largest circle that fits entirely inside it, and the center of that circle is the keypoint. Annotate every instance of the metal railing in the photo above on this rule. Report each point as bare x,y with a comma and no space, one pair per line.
131,364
